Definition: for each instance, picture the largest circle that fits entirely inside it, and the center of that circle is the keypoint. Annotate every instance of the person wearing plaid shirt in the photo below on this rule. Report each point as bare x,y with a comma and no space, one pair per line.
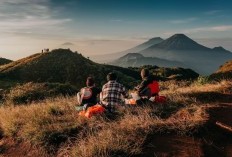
112,92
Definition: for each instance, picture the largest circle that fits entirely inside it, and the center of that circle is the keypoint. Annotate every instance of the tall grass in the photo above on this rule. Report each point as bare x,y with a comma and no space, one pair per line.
55,128
29,92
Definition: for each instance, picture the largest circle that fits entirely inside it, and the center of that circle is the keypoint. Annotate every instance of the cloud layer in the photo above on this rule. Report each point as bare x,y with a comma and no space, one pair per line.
24,17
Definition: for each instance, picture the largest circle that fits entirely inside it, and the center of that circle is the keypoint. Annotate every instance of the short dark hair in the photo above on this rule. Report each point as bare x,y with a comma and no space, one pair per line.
111,76
90,81
145,72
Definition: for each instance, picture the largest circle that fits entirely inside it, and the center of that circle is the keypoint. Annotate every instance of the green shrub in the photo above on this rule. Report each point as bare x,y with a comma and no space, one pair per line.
201,80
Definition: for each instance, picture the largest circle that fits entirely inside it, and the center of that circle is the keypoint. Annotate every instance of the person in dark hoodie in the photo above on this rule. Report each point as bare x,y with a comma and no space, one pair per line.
149,86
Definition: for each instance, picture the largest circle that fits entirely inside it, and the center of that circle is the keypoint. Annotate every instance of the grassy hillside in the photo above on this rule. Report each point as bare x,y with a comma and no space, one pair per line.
4,61
29,92
63,66
224,72
53,127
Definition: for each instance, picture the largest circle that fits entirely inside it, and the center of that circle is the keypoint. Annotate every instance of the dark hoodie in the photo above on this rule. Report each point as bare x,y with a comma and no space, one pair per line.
142,89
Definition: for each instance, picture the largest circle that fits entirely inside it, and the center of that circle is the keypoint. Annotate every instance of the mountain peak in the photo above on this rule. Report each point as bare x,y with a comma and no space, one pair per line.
156,39
179,35
180,42
67,44
219,48
131,56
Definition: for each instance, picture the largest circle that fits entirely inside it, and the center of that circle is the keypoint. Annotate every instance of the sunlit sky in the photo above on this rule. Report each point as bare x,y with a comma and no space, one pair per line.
107,26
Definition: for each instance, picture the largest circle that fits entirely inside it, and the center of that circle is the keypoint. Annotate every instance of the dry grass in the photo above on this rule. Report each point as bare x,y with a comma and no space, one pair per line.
20,62
53,125
187,87
29,92
186,93
226,67
43,122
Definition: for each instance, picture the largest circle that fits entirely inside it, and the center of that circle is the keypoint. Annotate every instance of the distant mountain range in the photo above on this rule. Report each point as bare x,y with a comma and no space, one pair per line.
63,66
179,50
137,60
67,44
107,58
4,61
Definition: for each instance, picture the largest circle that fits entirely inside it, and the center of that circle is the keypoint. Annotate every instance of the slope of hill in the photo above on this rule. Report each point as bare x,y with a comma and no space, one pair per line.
137,60
183,49
224,72
63,66
4,61
106,58
143,46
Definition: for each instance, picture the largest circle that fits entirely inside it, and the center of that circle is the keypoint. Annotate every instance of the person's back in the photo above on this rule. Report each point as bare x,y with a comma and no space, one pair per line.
112,92
88,95
149,86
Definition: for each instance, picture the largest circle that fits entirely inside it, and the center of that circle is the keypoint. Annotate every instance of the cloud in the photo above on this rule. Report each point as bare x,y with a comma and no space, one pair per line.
30,17
221,28
116,20
181,21
213,12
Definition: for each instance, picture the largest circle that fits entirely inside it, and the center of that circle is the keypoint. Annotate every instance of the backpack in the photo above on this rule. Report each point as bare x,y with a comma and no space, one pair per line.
85,93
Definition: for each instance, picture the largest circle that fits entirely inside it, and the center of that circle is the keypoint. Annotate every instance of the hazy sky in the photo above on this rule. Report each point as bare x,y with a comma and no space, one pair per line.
106,26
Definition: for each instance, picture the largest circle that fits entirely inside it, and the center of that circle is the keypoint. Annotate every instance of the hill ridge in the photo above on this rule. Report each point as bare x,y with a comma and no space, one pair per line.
4,61
62,66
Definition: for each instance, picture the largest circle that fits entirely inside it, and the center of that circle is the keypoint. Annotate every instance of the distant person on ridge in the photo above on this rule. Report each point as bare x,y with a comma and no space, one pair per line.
149,87
112,93
87,96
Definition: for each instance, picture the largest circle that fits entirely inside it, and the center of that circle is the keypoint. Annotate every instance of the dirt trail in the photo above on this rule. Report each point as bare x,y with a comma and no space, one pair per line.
211,141
221,115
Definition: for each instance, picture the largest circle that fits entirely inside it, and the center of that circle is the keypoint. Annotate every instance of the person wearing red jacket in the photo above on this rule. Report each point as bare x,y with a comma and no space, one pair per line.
149,86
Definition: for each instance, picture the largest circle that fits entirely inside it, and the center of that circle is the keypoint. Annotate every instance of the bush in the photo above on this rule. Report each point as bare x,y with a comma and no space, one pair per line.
201,80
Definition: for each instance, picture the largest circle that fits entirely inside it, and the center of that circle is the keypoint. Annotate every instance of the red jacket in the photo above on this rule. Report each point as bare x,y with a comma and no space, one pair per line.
148,87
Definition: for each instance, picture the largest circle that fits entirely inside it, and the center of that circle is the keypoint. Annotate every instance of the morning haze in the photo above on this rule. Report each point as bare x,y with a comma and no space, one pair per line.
101,27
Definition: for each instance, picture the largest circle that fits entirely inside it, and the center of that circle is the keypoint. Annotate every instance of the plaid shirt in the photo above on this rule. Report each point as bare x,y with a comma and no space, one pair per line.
112,93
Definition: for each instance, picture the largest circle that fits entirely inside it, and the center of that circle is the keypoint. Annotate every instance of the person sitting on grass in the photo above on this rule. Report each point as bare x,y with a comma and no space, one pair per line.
87,96
112,93
149,86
